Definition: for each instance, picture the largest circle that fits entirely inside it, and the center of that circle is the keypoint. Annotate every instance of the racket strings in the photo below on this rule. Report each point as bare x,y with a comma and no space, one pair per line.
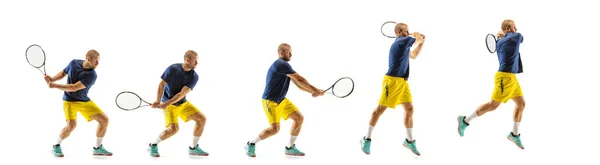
343,88
128,101
35,56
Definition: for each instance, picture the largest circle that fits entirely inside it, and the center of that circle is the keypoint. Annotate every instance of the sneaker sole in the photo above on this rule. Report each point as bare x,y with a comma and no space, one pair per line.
246,149
198,154
514,143
410,149
459,127
103,154
156,156
360,143
295,154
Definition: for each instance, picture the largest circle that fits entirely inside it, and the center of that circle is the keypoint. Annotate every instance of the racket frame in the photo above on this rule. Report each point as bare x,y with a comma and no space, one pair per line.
139,106
487,44
330,89
43,53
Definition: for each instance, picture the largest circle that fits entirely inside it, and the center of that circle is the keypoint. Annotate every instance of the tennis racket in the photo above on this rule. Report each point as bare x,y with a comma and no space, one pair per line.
388,29
36,57
129,101
342,88
490,42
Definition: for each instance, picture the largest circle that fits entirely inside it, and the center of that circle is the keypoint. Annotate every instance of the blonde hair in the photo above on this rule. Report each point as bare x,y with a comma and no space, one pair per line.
283,47
506,24
190,54
92,53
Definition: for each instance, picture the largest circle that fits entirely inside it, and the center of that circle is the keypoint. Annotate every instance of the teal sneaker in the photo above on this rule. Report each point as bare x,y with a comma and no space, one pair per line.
462,125
57,151
412,146
293,151
365,145
515,139
153,149
250,147
100,151
197,151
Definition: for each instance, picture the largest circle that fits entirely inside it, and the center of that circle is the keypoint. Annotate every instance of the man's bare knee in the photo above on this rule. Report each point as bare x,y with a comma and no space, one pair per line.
493,105
198,117
71,124
274,128
297,117
408,107
102,119
379,110
173,128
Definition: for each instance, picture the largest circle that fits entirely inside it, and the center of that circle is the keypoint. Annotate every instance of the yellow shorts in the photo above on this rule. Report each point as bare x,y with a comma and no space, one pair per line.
87,109
182,111
276,111
506,87
395,91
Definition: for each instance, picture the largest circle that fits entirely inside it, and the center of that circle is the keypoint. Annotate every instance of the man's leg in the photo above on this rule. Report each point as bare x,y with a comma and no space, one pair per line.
405,97
102,120
295,131
172,127
288,110
92,112
70,112
388,99
519,100
190,112
270,109
503,88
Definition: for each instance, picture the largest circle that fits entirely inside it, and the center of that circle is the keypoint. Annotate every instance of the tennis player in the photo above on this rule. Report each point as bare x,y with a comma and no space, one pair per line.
176,82
81,77
275,103
506,85
395,89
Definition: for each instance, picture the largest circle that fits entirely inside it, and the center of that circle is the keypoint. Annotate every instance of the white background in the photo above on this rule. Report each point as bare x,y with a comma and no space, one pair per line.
237,42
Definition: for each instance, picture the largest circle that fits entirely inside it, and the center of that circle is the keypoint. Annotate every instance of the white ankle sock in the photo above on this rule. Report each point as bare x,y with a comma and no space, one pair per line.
469,118
369,132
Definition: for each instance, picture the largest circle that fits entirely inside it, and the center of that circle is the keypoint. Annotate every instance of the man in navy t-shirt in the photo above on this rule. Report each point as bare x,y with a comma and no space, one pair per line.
506,84
176,82
395,88
275,103
81,76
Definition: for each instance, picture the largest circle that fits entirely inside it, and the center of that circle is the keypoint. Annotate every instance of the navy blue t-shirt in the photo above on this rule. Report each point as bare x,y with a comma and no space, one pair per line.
399,56
176,79
76,73
277,81
508,53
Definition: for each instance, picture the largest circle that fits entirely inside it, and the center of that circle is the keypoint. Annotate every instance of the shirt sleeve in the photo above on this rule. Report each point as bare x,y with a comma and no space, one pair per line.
166,76
193,82
68,68
285,68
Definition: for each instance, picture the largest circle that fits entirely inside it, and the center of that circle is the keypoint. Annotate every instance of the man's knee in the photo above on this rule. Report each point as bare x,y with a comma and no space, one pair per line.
297,116
173,128
71,124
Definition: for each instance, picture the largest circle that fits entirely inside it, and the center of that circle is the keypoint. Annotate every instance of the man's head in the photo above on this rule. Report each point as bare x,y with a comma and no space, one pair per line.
93,58
508,26
190,59
285,51
401,30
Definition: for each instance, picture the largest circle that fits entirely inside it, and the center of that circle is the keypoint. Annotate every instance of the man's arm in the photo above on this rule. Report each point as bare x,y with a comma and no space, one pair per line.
68,87
184,91
419,40
161,90
415,52
302,83
303,88
60,75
